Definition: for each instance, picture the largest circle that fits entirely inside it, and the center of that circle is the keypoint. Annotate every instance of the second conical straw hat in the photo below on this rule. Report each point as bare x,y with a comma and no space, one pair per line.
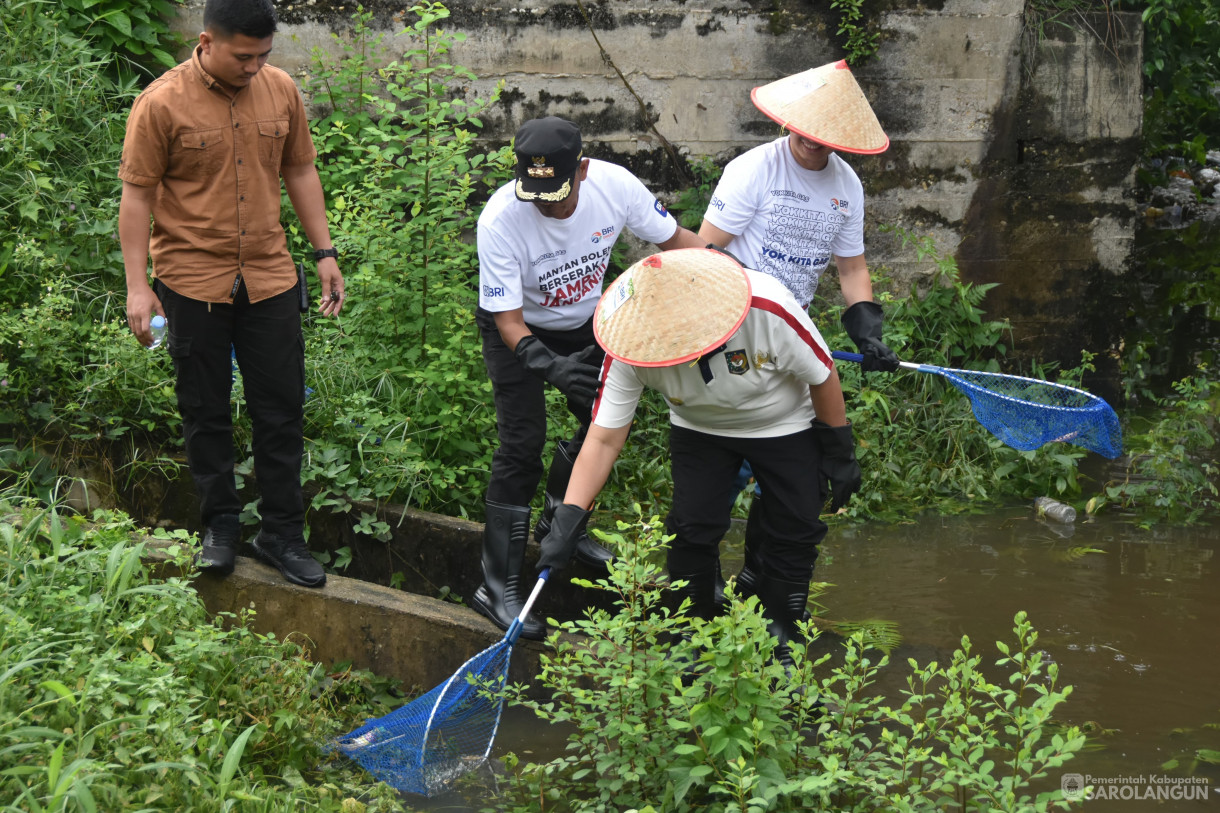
672,307
826,105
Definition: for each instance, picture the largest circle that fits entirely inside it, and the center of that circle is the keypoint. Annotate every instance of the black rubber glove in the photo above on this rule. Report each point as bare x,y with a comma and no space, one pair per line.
863,323
576,376
559,545
726,253
837,461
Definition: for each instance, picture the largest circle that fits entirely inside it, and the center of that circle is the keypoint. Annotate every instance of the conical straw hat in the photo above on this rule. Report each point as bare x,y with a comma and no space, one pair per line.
672,307
825,105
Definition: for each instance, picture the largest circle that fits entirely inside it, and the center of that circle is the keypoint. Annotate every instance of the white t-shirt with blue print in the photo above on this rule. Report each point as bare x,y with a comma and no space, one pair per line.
553,269
789,220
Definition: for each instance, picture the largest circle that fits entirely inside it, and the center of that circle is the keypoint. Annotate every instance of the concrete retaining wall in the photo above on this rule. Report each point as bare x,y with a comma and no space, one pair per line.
1013,136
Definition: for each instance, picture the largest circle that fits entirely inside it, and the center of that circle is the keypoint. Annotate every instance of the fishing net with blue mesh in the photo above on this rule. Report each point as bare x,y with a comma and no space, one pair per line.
1027,413
425,745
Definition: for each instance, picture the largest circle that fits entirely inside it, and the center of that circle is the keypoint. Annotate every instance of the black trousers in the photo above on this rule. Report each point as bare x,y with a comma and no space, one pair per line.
516,466
270,350
704,468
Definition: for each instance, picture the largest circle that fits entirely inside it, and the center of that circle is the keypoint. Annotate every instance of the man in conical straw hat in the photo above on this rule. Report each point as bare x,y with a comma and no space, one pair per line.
746,375
787,207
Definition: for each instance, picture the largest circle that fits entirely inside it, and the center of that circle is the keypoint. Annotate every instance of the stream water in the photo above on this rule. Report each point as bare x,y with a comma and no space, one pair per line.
1130,615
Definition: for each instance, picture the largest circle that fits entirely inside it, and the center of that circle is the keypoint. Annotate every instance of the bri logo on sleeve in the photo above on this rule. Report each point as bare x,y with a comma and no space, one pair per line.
838,205
492,291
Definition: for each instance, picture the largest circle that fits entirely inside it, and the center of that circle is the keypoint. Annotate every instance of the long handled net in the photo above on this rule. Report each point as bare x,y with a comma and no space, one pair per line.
1026,413
430,742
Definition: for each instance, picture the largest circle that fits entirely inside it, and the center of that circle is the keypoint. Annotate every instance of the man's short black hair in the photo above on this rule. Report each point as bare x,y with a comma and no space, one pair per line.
254,18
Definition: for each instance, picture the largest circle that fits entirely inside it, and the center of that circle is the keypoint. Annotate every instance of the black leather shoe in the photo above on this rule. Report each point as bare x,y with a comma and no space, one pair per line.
219,549
290,555
591,553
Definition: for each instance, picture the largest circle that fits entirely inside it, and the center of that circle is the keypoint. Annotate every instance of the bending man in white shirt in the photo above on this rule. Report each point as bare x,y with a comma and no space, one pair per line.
762,386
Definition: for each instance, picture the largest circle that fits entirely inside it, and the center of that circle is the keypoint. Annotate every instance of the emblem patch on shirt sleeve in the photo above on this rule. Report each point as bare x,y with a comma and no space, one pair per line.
738,361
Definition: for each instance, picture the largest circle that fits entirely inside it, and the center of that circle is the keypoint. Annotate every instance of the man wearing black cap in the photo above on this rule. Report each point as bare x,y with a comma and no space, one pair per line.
544,243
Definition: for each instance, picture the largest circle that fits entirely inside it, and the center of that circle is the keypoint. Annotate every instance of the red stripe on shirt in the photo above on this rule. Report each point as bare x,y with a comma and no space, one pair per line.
771,306
601,379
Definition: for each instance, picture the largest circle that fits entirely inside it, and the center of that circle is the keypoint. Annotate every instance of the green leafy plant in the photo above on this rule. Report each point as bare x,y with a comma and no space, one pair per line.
137,29
1181,41
673,713
691,203
118,691
861,43
1171,475
407,413
61,130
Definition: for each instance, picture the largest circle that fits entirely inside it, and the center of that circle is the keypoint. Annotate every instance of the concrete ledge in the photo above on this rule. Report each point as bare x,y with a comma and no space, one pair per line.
420,641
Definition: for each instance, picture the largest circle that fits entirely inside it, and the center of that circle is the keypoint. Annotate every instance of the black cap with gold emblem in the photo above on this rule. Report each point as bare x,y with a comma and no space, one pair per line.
548,156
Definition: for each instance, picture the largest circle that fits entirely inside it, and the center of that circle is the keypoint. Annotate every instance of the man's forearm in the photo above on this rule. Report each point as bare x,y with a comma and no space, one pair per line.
854,279
592,468
134,234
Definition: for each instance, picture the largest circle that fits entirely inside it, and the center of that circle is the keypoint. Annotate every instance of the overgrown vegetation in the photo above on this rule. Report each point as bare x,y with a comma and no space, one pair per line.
399,407
118,691
673,713
1182,68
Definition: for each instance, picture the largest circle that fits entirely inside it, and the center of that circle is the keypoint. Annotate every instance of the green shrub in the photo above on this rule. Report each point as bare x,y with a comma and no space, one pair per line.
118,692
1182,108
673,713
1171,474
403,175
61,131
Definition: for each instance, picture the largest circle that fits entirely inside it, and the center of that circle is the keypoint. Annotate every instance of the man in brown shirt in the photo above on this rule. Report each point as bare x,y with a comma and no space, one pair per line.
207,144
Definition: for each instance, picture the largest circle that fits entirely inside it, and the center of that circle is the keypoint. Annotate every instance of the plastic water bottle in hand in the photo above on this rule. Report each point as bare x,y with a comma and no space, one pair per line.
158,327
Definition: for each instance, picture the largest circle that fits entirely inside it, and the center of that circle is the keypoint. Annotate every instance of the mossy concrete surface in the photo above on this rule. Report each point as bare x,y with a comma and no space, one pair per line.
419,640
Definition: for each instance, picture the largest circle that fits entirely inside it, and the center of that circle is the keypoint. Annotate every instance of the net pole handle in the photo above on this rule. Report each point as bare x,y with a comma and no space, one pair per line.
514,629
543,575
843,355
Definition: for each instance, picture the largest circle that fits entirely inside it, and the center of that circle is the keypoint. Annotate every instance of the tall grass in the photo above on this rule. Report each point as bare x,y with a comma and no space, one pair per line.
119,692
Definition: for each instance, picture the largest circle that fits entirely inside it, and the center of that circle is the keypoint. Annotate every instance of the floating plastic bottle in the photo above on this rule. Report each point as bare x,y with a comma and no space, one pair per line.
159,328
1053,509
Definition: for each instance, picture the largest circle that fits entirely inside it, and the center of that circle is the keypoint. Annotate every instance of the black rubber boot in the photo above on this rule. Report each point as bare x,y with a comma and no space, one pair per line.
588,552
500,597
291,556
751,568
219,548
701,590
722,602
783,604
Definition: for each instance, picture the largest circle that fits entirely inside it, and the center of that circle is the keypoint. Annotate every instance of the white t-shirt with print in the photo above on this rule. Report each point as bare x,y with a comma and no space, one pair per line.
789,220
759,381
553,269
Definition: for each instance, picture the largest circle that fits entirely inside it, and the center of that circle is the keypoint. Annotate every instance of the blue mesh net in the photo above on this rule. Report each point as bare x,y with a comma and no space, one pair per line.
1026,413
434,739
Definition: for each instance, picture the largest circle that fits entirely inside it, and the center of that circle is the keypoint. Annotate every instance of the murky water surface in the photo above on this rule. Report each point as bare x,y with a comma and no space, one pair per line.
1131,616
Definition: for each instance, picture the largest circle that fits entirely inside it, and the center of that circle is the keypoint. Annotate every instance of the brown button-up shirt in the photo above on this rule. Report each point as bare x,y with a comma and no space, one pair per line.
215,160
